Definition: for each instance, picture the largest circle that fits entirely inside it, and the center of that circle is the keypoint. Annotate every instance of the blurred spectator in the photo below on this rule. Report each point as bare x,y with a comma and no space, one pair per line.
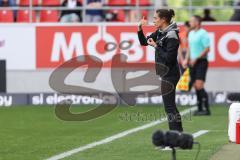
236,14
71,15
94,15
236,1
115,16
207,15
7,2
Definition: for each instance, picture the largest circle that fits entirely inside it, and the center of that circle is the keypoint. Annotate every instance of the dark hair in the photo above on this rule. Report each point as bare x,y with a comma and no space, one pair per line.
207,11
186,23
198,18
166,14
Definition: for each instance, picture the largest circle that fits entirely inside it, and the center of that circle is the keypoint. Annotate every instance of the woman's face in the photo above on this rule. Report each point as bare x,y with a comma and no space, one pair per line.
157,21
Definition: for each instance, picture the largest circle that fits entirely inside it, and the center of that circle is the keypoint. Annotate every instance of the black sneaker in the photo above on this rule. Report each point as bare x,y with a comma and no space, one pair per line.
208,113
202,113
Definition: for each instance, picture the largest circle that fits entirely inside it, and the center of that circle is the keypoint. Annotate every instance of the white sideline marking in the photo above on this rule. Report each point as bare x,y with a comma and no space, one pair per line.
114,137
199,133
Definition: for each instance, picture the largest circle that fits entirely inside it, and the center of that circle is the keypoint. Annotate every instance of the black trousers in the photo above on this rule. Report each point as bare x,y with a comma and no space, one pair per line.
174,118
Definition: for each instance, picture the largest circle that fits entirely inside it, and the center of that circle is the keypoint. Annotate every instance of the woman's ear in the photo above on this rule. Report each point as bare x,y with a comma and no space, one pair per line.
164,20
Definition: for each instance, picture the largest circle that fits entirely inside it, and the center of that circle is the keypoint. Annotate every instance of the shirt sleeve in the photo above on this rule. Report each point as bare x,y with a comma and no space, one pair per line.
143,39
205,40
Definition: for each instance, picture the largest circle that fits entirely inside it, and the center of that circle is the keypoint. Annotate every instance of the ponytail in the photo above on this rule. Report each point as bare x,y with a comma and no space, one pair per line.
166,14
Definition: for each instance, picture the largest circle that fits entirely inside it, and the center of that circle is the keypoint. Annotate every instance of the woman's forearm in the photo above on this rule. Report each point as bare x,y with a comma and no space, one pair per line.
141,37
139,27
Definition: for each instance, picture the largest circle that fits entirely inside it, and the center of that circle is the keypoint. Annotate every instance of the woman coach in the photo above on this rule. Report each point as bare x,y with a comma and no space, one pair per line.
165,40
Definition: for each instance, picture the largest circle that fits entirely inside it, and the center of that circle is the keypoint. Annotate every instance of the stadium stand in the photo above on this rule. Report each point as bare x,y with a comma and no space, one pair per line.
49,16
121,14
117,3
51,2
27,3
141,2
6,16
23,16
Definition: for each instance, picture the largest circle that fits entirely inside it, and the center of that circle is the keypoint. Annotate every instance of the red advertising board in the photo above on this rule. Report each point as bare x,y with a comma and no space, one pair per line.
57,44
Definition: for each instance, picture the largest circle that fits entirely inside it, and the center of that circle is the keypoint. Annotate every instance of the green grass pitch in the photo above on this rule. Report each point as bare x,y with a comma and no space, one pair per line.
34,133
